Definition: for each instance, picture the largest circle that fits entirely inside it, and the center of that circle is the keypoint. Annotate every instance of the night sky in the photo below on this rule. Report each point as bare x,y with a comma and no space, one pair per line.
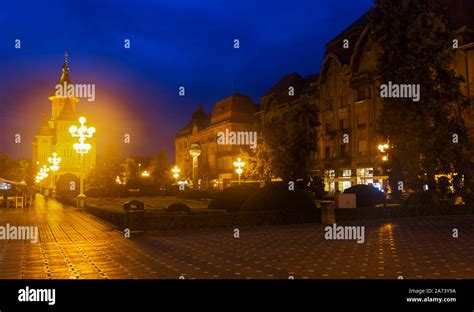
173,43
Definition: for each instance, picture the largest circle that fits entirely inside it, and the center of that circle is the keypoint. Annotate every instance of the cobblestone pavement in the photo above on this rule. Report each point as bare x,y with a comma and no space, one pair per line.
74,244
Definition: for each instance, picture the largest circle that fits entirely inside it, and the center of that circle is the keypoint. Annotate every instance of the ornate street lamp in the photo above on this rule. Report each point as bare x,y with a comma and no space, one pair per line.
239,164
383,149
82,148
176,172
43,174
54,161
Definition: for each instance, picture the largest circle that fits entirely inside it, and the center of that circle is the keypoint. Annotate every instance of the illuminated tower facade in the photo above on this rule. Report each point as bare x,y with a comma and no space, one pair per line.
53,136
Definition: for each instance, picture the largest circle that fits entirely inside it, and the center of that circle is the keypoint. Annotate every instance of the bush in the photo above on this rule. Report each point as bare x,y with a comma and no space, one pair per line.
178,207
315,185
114,191
366,195
232,198
421,198
193,194
276,196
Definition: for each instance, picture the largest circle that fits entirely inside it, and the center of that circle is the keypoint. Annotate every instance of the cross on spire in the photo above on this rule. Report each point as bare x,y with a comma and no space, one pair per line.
66,59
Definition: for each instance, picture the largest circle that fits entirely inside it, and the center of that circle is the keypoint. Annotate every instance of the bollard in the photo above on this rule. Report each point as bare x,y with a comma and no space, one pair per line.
328,215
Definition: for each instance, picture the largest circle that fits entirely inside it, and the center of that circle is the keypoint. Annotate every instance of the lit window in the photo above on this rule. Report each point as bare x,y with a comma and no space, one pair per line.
365,172
346,172
331,174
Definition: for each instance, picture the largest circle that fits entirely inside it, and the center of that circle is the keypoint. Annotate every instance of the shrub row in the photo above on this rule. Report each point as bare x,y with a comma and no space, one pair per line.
275,196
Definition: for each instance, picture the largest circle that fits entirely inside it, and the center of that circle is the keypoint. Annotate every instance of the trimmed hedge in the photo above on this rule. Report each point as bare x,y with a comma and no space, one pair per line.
172,221
193,194
276,196
232,198
178,207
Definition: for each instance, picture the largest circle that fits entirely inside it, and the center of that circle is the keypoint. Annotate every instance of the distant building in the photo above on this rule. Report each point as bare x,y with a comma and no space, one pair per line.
346,93
350,103
235,113
53,136
349,108
287,92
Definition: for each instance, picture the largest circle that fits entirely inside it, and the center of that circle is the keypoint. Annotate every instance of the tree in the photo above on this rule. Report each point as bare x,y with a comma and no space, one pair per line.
105,173
130,170
204,172
14,170
290,140
415,37
160,169
258,161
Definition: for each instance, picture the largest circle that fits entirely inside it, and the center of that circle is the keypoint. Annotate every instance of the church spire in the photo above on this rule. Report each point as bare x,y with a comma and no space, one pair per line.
65,66
65,74
61,102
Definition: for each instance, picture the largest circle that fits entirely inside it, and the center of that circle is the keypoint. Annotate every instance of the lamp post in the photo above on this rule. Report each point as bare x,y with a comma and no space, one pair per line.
81,148
239,164
43,174
383,149
54,161
176,172
195,151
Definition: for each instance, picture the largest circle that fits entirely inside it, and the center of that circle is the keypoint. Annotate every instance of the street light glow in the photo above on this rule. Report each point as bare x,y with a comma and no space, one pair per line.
383,147
176,172
82,133
54,161
239,164
82,148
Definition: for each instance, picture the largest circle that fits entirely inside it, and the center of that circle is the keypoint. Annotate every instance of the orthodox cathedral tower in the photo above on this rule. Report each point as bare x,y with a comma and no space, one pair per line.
53,136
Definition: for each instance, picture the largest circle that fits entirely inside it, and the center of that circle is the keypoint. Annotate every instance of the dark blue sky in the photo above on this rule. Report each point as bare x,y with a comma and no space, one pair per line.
173,43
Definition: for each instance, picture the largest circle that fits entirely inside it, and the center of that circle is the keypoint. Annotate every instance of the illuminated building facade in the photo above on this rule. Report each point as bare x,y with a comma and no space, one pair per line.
235,113
350,102
53,136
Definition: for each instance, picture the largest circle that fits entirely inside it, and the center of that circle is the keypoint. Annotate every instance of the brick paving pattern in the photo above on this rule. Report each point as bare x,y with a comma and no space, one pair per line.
74,244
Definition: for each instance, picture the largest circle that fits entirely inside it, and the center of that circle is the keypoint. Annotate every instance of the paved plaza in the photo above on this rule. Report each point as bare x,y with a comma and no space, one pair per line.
74,244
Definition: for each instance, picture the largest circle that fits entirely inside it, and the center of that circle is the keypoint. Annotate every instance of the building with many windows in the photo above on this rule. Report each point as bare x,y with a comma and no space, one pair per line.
350,102
346,93
235,113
